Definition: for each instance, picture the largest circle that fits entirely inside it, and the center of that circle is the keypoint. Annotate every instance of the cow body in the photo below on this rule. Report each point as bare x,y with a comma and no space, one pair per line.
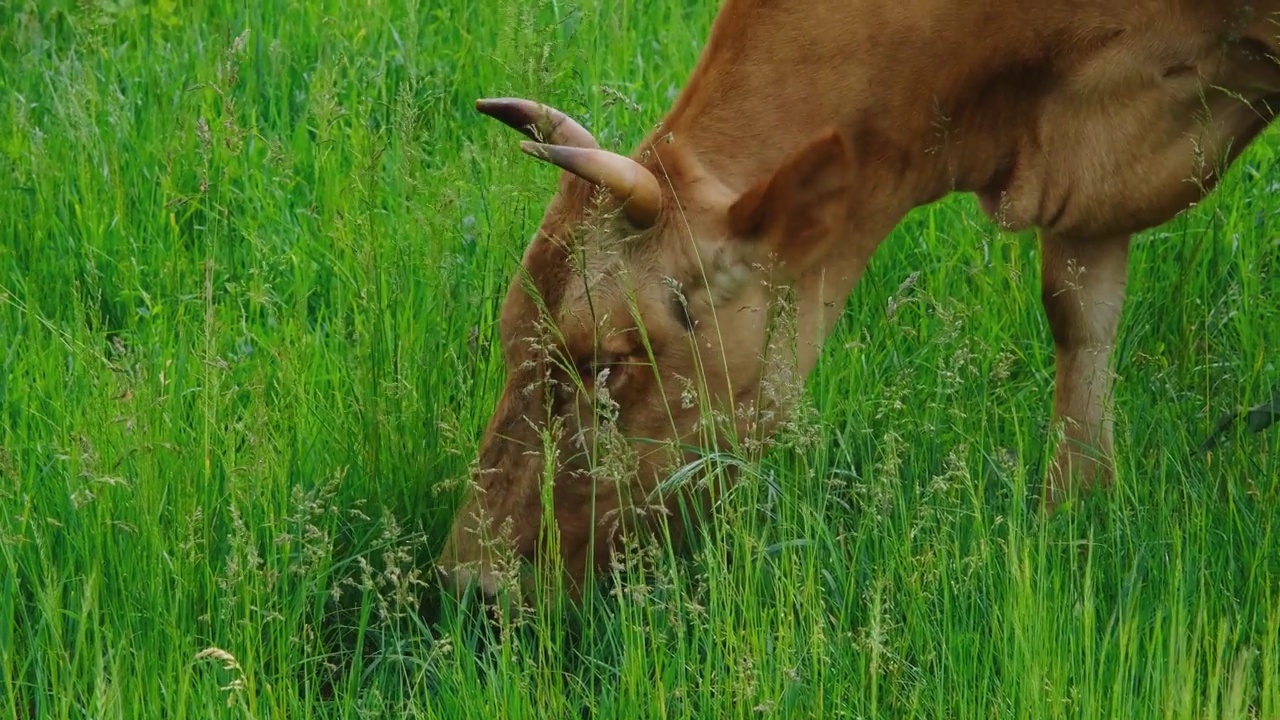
806,132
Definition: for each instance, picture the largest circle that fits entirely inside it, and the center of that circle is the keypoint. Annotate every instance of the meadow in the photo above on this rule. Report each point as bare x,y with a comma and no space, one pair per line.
251,260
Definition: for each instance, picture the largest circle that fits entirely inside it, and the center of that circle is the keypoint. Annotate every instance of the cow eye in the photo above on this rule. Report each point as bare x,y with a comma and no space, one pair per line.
589,368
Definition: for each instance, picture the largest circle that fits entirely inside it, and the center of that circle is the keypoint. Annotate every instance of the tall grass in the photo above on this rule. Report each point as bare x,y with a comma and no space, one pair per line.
252,257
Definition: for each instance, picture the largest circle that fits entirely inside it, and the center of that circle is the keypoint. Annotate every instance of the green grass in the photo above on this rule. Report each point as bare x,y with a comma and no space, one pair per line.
251,261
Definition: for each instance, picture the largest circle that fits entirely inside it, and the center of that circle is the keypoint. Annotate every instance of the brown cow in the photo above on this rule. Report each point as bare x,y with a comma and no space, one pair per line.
807,131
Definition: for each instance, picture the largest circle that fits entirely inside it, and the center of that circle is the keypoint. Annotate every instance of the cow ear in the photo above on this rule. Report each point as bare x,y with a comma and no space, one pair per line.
792,213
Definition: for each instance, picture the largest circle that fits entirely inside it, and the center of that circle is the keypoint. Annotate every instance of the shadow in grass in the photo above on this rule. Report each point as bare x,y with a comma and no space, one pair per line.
1256,419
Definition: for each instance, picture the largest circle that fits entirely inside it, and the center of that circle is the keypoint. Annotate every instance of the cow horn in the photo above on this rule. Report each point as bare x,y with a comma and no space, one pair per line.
539,122
624,178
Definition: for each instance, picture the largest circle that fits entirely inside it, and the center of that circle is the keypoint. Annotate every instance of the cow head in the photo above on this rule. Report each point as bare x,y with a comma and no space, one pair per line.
636,329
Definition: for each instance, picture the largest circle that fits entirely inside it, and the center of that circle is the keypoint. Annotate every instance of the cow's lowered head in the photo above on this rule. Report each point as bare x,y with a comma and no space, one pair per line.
636,329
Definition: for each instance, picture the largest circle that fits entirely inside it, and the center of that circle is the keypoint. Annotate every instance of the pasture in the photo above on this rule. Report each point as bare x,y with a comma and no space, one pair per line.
251,259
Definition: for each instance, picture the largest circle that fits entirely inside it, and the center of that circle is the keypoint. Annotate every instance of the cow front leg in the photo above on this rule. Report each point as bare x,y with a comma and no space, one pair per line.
1083,287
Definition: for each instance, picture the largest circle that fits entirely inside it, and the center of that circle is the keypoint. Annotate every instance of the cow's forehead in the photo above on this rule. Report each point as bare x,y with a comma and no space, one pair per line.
588,263
585,267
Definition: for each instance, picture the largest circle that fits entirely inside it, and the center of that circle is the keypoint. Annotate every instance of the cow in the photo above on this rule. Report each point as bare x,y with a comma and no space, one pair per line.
807,130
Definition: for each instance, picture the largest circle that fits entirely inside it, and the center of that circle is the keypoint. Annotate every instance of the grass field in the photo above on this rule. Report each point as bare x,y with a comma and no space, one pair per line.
252,256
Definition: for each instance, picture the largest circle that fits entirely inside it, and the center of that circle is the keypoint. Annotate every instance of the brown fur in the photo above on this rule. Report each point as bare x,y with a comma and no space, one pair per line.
806,132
